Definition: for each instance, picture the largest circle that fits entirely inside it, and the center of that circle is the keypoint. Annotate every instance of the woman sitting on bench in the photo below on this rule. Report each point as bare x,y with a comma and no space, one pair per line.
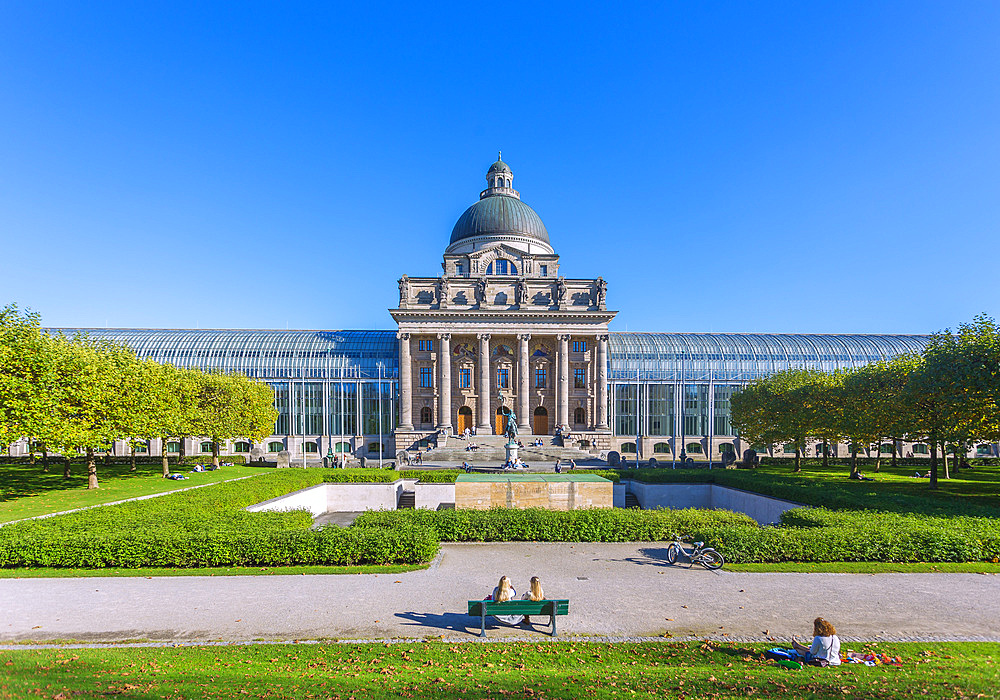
501,594
534,593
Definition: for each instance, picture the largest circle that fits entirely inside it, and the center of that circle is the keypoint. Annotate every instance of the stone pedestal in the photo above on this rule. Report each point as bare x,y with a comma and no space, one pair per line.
511,448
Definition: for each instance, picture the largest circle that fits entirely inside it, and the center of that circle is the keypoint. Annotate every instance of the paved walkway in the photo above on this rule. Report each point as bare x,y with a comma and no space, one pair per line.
616,590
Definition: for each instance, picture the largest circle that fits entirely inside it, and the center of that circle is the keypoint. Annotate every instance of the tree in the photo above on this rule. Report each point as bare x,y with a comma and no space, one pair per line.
872,405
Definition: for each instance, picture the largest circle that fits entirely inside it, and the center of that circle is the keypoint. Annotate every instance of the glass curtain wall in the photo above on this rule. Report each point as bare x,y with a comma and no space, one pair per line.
696,409
370,405
281,405
626,409
343,408
661,409
723,415
308,402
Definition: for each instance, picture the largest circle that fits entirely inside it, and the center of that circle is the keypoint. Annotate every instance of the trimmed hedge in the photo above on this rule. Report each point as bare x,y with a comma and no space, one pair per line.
435,476
207,527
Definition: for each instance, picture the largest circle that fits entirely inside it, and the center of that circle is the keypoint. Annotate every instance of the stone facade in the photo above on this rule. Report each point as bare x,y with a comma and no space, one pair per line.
498,331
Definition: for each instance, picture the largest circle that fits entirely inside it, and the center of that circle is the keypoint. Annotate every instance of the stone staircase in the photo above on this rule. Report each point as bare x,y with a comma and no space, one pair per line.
407,499
491,449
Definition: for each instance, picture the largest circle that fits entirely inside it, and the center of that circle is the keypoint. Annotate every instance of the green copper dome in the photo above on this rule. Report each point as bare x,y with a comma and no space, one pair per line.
497,215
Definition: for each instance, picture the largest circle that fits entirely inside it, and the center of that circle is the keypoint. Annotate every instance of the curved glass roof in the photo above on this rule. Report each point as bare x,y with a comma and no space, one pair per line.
742,357
262,353
665,357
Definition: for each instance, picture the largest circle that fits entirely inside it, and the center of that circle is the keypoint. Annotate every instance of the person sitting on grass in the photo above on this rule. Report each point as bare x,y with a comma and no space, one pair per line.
501,594
825,648
534,593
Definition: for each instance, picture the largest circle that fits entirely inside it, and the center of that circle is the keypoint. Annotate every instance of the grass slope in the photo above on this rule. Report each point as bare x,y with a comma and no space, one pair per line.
496,670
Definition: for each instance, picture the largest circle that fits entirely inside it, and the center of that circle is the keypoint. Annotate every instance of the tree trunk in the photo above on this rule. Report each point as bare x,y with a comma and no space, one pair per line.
215,452
91,469
895,444
826,455
854,460
31,453
878,455
798,459
66,467
934,469
132,458
164,458
944,459
180,454
45,460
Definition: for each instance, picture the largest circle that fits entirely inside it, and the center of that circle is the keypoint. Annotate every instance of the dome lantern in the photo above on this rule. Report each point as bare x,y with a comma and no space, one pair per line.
499,180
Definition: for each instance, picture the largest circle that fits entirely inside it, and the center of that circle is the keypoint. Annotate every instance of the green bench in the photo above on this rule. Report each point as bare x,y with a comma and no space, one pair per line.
482,608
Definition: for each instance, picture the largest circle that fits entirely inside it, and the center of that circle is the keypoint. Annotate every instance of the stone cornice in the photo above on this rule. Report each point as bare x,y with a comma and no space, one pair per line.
501,316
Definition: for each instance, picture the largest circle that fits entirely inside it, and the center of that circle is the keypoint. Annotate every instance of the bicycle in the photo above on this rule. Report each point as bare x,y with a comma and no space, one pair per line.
706,556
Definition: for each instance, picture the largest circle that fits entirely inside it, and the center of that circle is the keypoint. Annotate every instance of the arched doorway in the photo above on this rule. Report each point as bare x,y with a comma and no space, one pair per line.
464,419
500,421
540,421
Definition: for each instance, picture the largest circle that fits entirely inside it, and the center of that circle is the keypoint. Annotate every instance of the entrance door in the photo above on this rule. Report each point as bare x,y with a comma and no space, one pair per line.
464,419
540,421
499,422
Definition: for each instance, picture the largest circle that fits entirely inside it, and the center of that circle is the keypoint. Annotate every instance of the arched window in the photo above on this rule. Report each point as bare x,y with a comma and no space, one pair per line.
628,448
984,450
885,449
489,269
498,182
661,448
275,446
141,449
206,447
726,448
342,447
173,447
693,448
311,448
241,447
425,415
920,449
501,267
579,415
508,182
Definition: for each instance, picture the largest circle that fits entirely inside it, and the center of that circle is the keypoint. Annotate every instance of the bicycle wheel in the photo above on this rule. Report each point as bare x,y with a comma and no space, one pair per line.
711,559
672,554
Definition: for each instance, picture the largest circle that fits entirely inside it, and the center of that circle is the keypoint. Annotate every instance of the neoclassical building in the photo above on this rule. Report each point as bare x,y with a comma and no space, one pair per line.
502,329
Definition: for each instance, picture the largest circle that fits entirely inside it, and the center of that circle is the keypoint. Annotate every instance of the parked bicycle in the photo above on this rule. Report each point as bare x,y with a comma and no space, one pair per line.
700,554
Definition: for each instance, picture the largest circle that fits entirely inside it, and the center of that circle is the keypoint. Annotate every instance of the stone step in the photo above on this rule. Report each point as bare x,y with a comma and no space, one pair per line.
407,499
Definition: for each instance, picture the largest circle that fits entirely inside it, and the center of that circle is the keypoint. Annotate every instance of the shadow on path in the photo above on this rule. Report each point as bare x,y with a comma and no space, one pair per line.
454,622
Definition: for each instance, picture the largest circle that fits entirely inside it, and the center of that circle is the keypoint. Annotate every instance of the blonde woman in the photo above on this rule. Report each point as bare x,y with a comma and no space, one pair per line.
535,592
501,594
825,648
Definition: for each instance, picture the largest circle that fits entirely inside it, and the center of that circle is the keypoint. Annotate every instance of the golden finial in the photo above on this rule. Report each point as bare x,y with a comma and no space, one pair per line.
499,154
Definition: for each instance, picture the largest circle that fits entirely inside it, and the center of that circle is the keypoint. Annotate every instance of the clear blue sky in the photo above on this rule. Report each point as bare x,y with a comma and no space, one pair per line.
783,167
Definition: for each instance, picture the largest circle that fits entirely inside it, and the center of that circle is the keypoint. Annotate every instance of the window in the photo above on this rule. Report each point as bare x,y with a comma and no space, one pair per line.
173,447
374,448
311,448
543,270
501,267
661,448
342,447
458,269
426,378
579,416
206,447
579,378
726,448
628,448
788,449
425,345
539,377
425,415
693,448
920,449
241,447
579,346
885,449
141,449
503,377
275,446
464,377
984,450
759,449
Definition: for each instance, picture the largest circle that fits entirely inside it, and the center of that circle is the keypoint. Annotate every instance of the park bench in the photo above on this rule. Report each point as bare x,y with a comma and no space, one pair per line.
482,608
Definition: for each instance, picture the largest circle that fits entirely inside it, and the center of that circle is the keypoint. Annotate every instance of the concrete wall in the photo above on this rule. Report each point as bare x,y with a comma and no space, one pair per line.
618,495
433,495
763,509
313,499
355,497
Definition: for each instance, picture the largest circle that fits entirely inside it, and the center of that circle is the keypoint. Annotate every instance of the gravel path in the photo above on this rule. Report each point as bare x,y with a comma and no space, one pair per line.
617,591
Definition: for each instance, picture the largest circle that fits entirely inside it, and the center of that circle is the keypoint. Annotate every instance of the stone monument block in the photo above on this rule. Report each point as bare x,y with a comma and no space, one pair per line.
283,459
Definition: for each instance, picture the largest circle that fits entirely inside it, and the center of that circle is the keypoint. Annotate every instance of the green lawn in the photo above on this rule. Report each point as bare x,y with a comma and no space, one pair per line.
25,491
973,492
496,670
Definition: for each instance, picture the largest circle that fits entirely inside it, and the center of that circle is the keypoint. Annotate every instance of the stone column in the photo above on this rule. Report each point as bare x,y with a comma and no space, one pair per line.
484,385
405,383
562,396
524,384
602,383
444,382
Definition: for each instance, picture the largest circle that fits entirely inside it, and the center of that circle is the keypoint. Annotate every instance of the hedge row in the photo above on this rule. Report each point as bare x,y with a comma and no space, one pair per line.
885,460
437,476
207,527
